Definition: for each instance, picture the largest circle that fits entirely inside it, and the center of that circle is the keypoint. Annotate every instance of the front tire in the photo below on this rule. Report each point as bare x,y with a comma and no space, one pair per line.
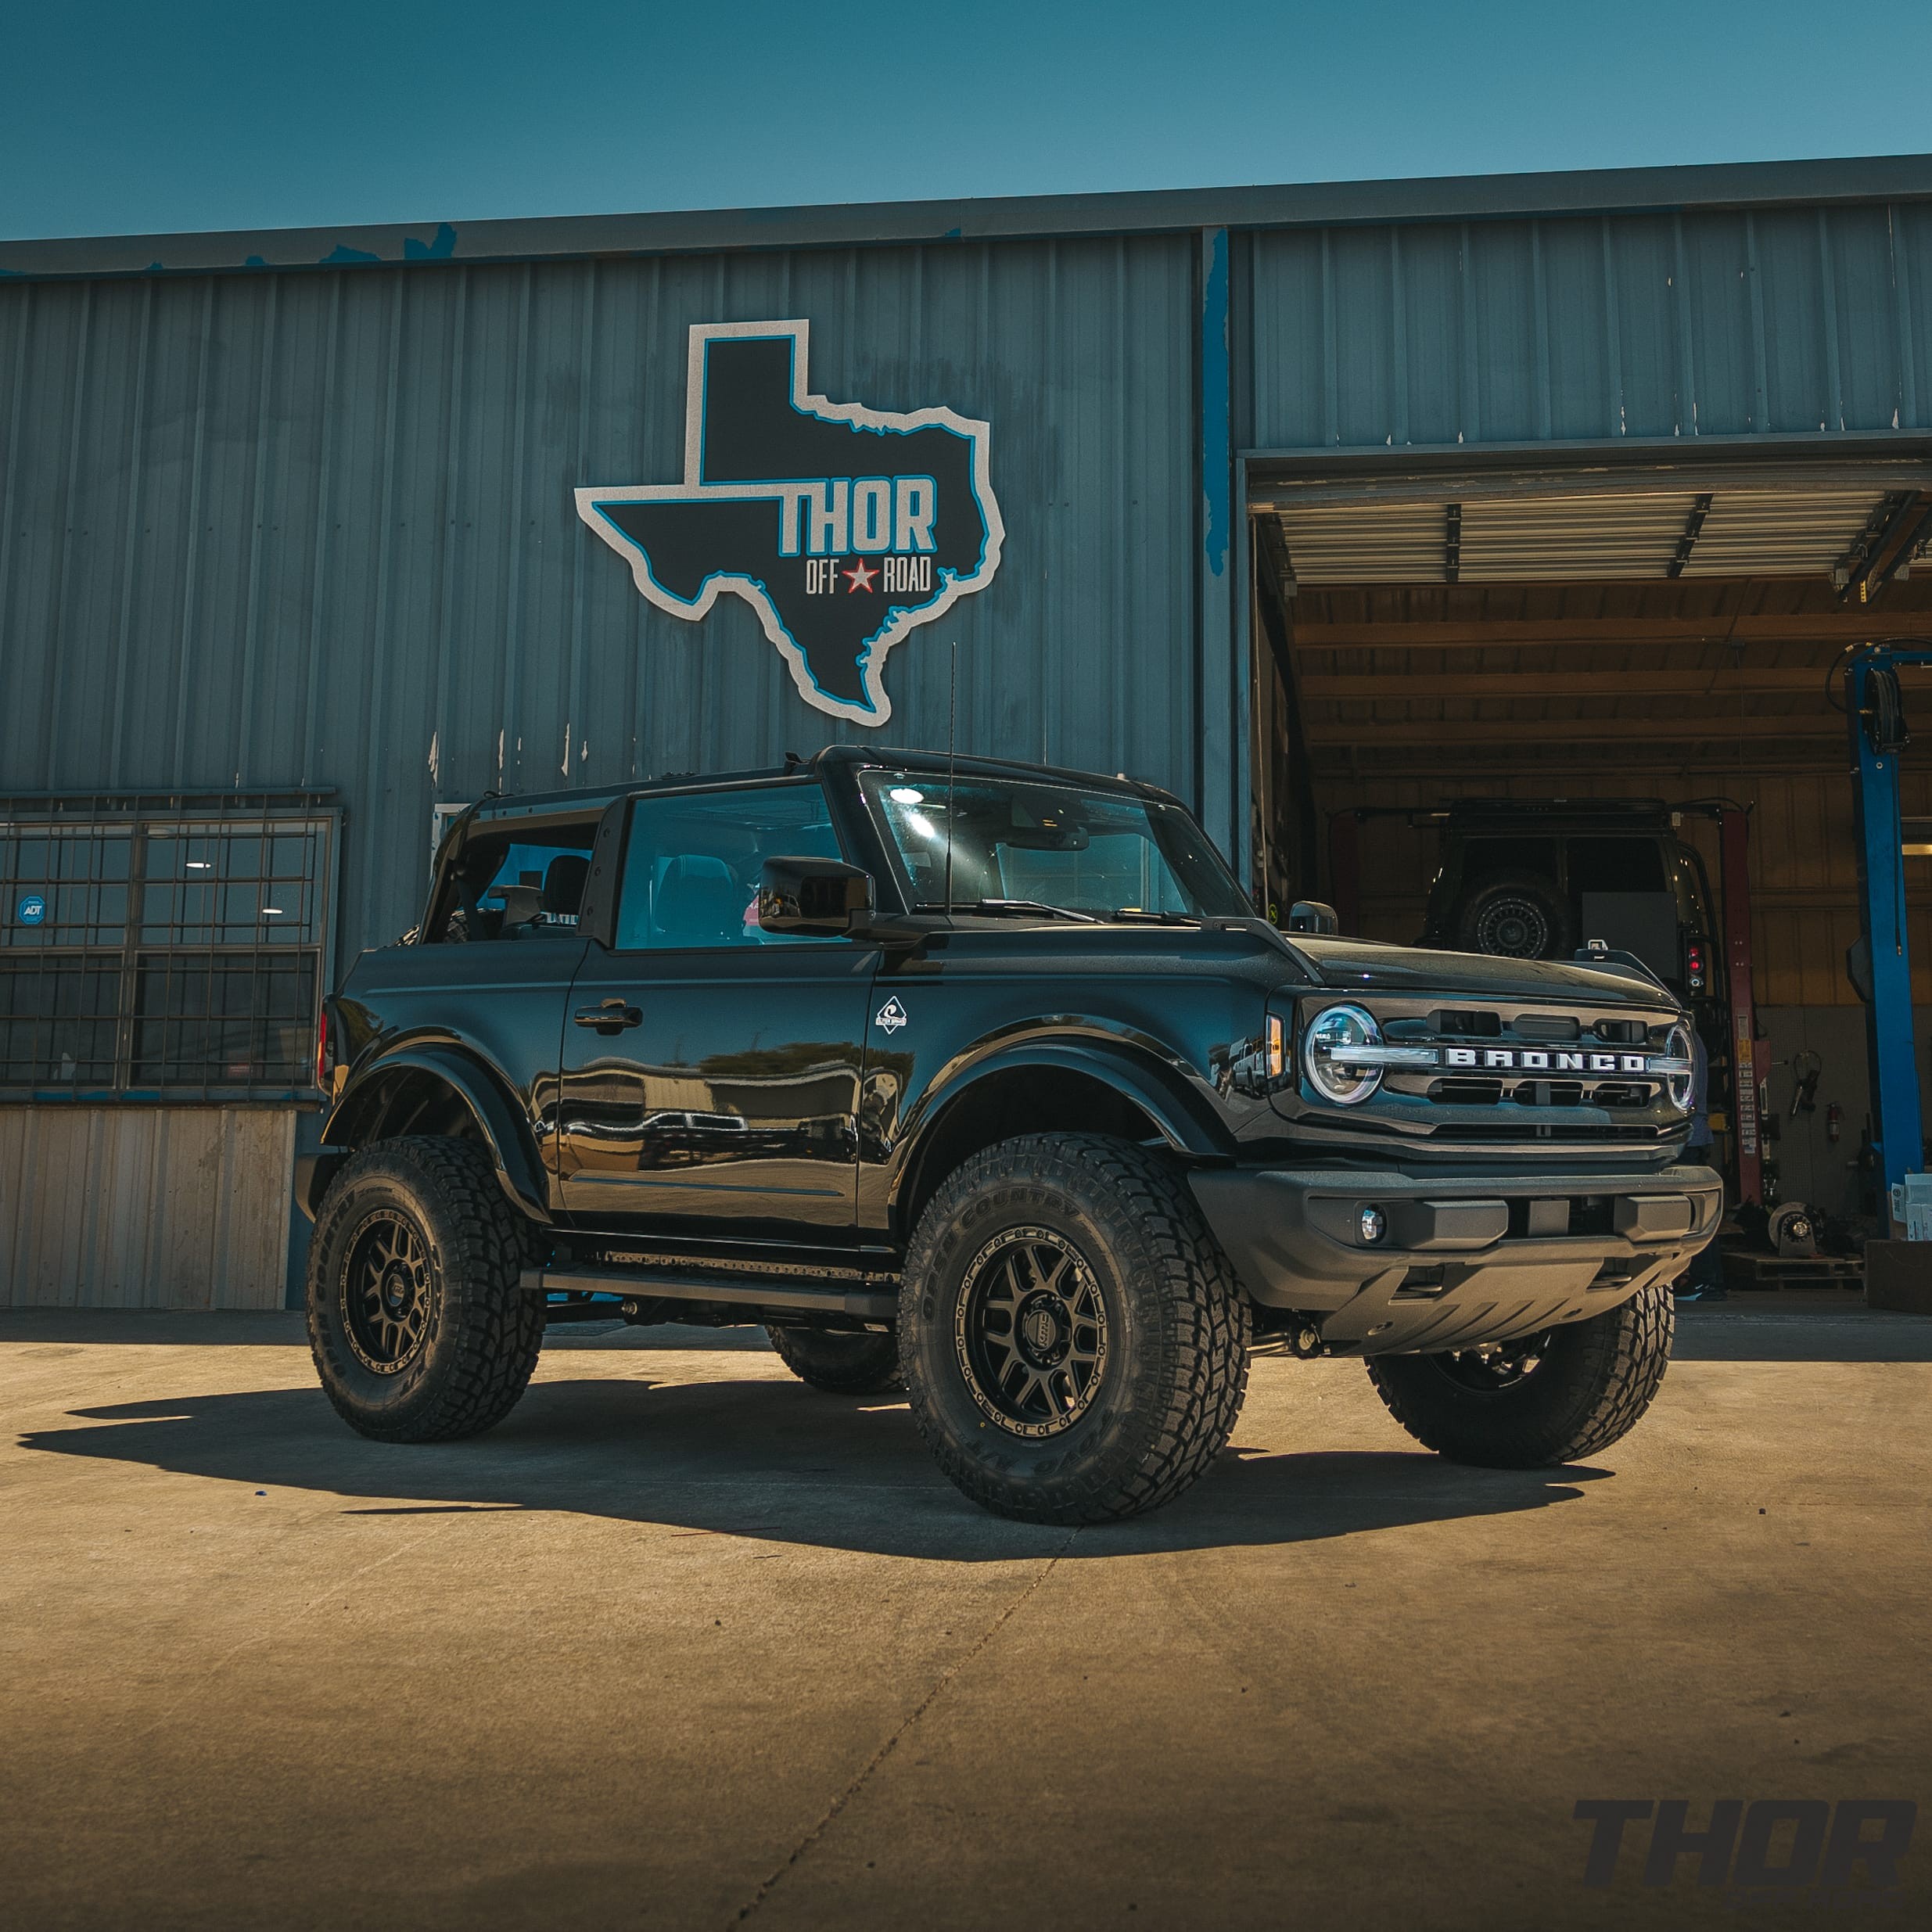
1074,1341
840,1364
420,1328
1586,1385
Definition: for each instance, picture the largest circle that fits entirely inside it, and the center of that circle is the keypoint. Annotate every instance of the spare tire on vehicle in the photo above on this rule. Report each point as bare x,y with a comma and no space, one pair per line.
1521,915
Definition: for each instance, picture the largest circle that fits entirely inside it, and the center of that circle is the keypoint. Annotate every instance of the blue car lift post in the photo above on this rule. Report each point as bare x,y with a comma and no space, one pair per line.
1897,1132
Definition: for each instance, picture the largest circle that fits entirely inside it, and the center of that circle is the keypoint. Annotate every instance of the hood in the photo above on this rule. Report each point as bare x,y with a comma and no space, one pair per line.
1362,965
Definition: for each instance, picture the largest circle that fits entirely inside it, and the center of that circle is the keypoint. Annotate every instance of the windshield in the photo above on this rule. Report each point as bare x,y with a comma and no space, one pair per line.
1097,852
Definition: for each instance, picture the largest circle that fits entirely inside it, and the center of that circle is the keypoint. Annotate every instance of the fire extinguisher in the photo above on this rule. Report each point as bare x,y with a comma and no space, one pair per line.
1834,1121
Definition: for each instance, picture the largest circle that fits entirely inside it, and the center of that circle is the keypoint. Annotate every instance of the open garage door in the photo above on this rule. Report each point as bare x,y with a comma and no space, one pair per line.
1563,645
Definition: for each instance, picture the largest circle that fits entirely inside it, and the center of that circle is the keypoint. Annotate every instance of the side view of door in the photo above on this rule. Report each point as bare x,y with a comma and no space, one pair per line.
711,1069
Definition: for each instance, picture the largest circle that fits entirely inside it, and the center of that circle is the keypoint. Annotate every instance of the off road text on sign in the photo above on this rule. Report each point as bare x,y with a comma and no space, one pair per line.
843,527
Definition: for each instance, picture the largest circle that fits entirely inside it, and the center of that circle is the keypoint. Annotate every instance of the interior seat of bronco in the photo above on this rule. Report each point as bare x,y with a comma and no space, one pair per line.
698,903
563,886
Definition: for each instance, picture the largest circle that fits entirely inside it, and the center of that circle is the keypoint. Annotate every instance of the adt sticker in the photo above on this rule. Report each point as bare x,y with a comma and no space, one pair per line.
32,909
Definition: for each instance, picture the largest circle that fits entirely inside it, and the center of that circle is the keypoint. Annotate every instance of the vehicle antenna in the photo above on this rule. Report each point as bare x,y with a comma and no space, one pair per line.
952,751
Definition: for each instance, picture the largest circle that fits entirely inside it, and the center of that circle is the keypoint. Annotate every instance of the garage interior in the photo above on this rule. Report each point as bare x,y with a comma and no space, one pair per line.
1618,631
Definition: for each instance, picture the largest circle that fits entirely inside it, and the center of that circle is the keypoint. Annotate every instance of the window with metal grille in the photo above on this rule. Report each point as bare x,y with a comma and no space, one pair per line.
162,948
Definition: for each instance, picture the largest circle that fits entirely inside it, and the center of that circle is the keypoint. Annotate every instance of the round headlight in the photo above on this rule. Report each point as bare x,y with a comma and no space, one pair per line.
1325,1050
1681,1087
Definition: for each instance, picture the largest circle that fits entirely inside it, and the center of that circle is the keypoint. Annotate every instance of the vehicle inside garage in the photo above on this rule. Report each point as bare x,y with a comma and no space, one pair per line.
1516,711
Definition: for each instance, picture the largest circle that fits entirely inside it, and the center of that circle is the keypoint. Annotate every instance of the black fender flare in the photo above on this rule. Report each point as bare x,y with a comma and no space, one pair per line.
1184,1120
513,1151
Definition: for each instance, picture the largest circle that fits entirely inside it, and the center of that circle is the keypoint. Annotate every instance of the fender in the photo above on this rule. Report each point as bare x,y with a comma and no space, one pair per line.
519,1171
1183,1119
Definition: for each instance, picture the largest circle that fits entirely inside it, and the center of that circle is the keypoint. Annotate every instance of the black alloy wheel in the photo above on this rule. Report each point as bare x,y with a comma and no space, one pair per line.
1074,1342
1512,927
1030,1332
388,1293
418,1321
1536,1400
1521,916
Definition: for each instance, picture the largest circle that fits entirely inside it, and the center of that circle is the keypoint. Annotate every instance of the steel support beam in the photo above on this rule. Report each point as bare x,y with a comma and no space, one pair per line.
1747,1051
1890,1043
1222,692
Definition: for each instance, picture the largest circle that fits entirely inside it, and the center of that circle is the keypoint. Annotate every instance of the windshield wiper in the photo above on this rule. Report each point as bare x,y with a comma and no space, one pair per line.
1024,908
1129,914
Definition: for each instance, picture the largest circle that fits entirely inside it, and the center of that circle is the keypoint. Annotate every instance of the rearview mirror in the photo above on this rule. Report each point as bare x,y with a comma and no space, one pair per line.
1311,915
820,897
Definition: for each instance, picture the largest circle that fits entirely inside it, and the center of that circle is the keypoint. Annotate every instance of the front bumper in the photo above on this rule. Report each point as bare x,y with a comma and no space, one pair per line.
1466,1260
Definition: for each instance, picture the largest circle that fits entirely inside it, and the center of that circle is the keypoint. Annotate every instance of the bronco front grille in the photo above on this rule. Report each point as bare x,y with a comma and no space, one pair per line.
1507,1055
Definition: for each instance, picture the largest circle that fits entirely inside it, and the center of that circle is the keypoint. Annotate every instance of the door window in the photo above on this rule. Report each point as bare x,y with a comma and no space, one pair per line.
692,861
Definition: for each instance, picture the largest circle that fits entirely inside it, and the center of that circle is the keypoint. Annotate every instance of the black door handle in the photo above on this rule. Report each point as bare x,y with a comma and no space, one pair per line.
612,1017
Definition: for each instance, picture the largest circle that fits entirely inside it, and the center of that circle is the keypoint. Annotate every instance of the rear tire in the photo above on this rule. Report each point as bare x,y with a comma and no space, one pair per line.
841,1365
1592,1382
1519,916
419,1327
1074,1342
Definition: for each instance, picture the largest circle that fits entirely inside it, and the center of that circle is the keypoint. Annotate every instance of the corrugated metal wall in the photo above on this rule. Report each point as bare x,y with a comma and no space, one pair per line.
317,527
141,1207
1776,322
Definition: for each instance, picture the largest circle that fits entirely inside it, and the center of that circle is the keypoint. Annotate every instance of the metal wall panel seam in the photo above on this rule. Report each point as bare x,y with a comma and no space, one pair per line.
376,715
192,547
319,585
580,536
1618,422
1398,334
52,736
1215,621
130,537
512,616
1834,384
1687,412
1468,402
179,768
1901,269
1761,387
258,495
1116,684
11,506
1331,378
1539,320
448,552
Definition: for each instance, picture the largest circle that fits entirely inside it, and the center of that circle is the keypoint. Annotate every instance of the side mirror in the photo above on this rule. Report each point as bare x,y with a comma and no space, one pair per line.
812,896
1310,915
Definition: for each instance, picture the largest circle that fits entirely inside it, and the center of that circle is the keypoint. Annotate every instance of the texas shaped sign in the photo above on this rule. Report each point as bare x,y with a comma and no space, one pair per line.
843,527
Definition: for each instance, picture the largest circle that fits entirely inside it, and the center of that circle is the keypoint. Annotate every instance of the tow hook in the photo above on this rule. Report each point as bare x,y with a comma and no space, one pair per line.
1304,1342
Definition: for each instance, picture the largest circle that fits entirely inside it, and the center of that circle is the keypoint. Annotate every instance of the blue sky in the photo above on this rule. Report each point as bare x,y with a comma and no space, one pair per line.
123,119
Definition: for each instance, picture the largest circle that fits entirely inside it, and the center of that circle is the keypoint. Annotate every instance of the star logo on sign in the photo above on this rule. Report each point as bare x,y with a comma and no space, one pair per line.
859,578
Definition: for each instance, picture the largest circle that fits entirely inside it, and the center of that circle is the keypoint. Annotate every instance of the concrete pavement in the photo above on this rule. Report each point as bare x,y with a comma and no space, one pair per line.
685,1644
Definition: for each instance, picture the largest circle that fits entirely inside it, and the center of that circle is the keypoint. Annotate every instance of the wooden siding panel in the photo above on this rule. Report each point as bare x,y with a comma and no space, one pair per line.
130,1207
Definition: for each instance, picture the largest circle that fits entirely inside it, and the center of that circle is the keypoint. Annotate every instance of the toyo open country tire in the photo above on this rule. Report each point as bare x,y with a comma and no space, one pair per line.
1074,1341
841,1365
419,1328
1595,1380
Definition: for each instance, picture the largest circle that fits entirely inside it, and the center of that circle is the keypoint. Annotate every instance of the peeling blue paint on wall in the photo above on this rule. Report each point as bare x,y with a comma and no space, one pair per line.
1216,453
342,256
441,249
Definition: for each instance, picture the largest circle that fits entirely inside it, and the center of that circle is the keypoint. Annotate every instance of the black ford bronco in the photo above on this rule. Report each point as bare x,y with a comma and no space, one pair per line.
983,1078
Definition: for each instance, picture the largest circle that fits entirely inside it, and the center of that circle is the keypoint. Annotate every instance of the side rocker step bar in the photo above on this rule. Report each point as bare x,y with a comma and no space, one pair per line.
740,1292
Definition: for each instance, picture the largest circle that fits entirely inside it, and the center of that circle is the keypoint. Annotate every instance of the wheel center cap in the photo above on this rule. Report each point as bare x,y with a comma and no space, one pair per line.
1042,1330
396,1287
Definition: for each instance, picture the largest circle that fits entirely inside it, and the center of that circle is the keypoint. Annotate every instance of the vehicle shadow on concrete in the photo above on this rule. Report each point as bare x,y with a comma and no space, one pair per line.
758,1459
